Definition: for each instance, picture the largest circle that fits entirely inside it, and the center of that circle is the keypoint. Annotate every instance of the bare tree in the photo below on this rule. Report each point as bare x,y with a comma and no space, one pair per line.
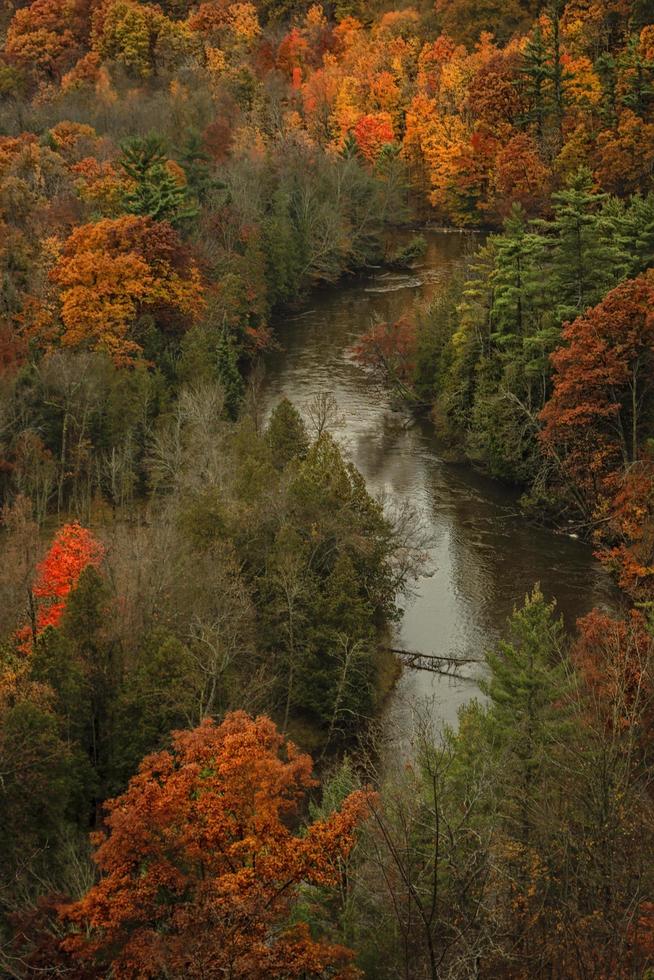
323,414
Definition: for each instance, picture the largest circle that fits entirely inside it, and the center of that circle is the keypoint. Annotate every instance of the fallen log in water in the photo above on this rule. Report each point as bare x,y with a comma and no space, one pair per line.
435,664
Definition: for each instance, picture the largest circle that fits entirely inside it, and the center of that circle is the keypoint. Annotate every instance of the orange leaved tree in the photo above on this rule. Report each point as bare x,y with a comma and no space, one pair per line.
114,270
200,865
73,549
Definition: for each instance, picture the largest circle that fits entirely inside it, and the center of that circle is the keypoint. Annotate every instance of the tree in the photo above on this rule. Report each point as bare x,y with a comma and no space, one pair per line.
228,374
286,434
158,191
525,688
545,77
587,260
601,407
113,271
517,278
535,74
73,550
39,780
46,36
196,161
626,539
139,36
467,20
389,350
616,659
625,155
200,866
373,133
520,174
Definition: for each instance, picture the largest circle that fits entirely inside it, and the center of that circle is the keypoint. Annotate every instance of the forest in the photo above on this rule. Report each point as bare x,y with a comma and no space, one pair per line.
199,596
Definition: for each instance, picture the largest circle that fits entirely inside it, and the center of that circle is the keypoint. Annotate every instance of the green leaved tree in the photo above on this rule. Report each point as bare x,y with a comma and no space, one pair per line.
157,192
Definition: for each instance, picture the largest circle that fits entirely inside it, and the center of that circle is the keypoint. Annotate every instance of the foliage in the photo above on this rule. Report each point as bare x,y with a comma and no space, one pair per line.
178,892
112,272
159,192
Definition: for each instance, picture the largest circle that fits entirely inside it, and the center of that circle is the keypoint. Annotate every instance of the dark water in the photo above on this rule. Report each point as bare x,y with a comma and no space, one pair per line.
484,556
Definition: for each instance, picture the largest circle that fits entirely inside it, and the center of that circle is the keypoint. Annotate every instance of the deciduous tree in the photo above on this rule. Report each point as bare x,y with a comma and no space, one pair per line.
112,271
200,866
602,403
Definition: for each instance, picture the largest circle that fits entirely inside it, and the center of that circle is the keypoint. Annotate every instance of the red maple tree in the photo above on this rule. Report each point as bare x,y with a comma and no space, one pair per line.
73,549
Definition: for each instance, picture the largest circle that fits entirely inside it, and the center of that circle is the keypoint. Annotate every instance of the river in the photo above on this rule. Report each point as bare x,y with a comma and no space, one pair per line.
483,555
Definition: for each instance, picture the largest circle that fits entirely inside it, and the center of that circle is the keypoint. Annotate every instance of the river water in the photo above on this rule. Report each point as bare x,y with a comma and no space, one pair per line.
483,556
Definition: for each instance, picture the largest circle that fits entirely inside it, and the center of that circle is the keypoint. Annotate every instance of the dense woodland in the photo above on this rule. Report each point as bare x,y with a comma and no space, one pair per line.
190,589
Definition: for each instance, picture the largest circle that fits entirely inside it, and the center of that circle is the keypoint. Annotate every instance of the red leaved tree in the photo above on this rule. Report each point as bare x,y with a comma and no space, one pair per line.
627,538
373,133
73,549
389,349
200,867
601,406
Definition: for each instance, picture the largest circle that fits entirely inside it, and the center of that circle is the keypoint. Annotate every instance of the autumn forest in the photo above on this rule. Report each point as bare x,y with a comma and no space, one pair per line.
200,593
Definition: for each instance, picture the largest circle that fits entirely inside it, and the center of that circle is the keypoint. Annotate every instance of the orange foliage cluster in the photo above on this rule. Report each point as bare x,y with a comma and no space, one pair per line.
113,270
596,422
199,864
616,660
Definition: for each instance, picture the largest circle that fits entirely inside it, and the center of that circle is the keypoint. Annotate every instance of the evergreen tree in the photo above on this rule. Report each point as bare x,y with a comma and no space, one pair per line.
229,375
586,261
544,78
157,193
606,68
284,251
155,698
350,149
38,795
335,677
642,13
630,225
526,690
535,73
638,75
517,278
640,223
286,434
196,163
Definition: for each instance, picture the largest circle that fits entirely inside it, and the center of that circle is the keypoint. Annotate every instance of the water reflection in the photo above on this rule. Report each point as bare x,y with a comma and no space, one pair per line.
484,556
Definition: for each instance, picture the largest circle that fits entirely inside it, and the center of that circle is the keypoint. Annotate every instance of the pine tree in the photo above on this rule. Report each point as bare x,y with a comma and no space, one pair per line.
640,218
229,375
157,193
586,262
517,277
545,76
638,74
606,68
196,163
284,252
630,225
350,149
535,72
526,690
286,434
